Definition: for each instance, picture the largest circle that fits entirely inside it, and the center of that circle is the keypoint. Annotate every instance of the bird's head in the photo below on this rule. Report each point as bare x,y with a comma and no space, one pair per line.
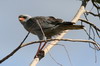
24,18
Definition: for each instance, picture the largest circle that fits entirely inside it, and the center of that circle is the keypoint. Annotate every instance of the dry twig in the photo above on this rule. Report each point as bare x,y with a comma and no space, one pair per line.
90,24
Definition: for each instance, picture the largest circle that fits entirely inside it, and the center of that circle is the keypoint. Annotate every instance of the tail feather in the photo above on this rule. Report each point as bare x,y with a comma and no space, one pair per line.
72,27
66,26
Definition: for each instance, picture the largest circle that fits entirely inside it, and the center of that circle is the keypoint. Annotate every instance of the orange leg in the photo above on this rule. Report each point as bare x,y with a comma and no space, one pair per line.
39,48
43,45
40,53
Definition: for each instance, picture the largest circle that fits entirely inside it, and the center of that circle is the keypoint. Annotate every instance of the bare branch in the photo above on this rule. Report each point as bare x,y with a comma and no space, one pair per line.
90,24
71,40
98,15
15,50
94,3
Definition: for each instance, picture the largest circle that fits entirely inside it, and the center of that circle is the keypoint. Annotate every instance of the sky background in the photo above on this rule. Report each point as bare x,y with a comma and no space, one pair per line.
12,33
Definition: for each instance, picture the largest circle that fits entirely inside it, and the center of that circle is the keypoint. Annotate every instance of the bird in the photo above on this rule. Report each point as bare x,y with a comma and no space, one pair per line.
45,27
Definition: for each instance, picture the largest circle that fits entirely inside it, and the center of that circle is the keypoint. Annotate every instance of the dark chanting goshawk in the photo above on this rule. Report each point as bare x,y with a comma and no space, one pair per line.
46,27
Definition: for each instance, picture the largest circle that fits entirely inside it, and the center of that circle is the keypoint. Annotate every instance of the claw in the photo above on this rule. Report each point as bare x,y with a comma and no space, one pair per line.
40,54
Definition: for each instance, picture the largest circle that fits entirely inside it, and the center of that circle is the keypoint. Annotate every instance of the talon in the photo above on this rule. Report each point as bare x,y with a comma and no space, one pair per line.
39,55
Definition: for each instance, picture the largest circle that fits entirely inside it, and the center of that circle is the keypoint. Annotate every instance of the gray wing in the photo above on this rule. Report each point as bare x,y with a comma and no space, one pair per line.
44,22
49,26
43,26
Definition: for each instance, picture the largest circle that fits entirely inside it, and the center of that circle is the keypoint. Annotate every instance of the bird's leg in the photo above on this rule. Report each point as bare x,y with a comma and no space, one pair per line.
39,46
40,52
38,49
43,45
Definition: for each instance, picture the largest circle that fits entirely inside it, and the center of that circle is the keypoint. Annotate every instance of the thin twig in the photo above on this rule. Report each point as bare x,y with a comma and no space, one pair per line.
93,2
96,47
54,59
15,50
85,21
98,15
92,25
67,53
71,40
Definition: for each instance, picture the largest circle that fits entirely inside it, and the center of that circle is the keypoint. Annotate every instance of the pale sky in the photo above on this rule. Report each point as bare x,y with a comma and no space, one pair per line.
12,33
